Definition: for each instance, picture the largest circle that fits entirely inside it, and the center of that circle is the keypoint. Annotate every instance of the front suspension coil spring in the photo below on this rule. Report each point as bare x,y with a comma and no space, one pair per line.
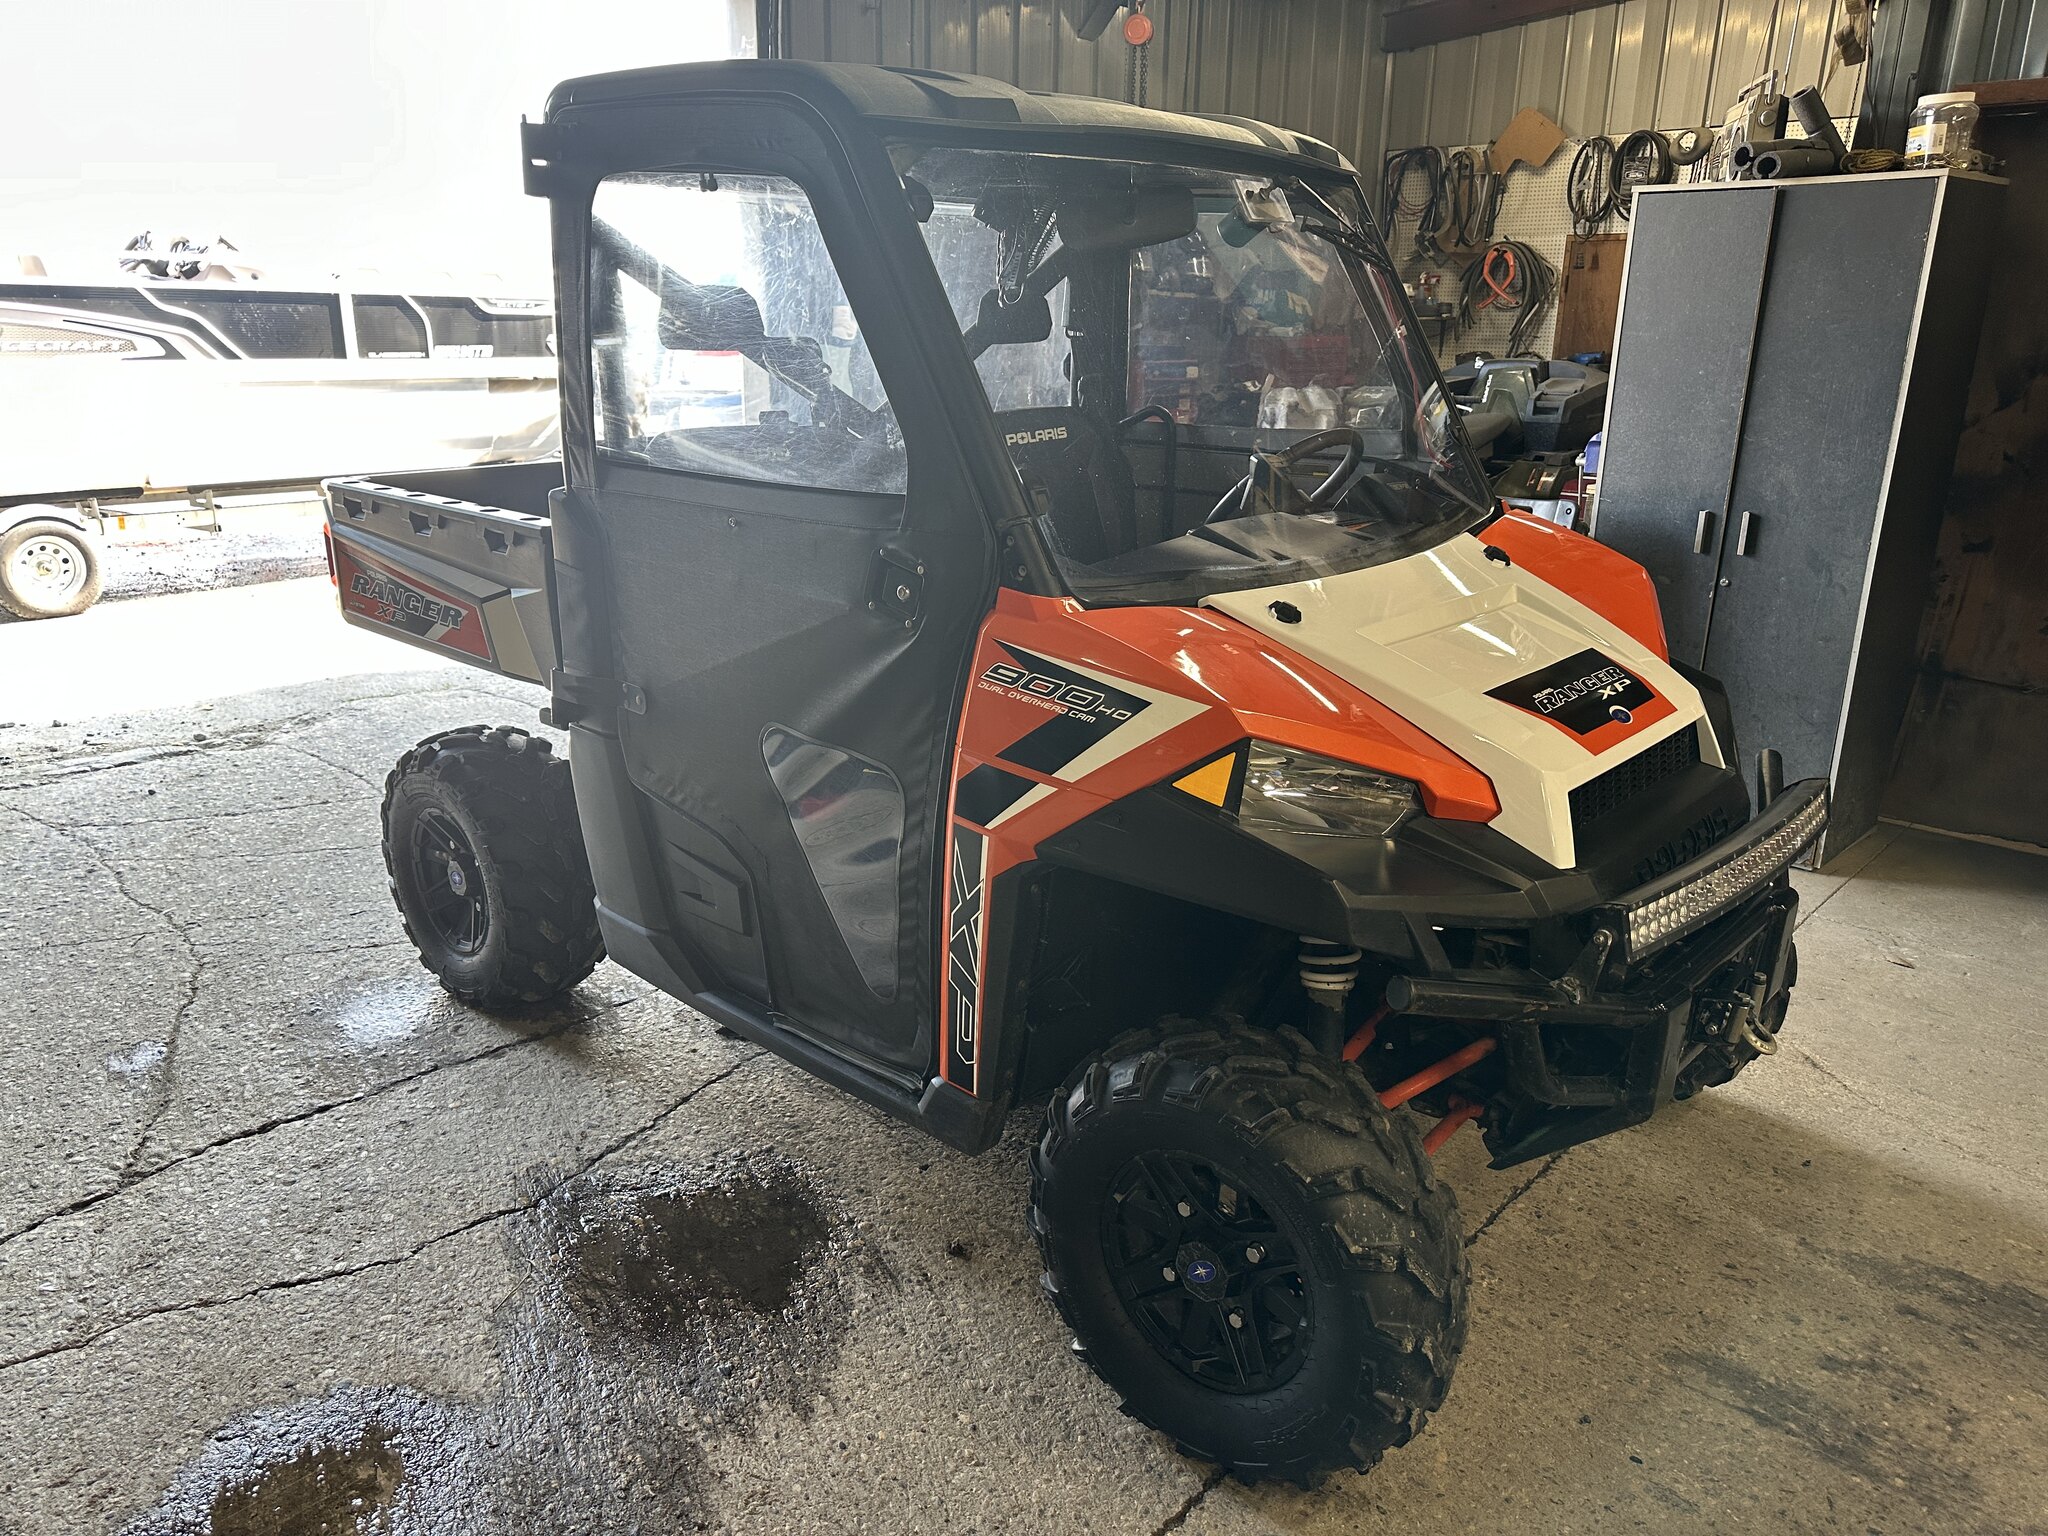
1329,971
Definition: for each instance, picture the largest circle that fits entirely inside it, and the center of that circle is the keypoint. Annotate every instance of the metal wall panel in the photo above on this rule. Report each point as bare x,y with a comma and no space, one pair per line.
1995,40
1315,64
1310,64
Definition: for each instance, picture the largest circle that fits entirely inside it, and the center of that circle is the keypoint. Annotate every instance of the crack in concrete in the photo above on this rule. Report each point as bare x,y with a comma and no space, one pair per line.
375,786
293,853
1827,1072
238,739
349,949
1179,1517
109,938
251,810
1514,1194
100,1196
347,1271
181,930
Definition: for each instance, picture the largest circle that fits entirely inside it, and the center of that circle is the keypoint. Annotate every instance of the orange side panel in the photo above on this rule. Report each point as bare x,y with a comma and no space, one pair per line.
1604,579
1069,709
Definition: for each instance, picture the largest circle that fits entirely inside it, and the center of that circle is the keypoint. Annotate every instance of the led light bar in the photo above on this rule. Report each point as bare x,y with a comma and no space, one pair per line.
1673,911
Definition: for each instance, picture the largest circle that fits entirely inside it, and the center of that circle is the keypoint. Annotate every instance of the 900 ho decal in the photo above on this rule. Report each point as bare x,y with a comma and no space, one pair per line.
1082,709
1086,698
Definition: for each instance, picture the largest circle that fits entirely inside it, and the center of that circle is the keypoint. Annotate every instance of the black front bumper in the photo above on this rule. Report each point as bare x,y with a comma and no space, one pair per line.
1677,967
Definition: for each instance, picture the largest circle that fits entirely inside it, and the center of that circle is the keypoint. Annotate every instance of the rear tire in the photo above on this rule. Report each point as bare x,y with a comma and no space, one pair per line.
48,570
1316,1300
487,866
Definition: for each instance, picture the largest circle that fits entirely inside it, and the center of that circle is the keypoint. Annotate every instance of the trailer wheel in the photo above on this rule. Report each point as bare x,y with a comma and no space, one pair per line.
487,866
48,570
1250,1249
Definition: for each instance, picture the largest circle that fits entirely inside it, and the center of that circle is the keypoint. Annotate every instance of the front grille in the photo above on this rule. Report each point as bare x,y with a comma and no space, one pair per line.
1620,786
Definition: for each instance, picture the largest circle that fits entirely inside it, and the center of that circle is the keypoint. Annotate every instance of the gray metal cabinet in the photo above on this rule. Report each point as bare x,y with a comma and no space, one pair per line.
1789,379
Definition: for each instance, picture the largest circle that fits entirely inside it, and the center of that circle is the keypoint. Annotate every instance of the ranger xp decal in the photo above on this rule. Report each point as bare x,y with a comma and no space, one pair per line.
966,923
1582,693
407,604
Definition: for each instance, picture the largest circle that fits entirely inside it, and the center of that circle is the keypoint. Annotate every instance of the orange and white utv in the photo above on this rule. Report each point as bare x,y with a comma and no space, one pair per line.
1027,624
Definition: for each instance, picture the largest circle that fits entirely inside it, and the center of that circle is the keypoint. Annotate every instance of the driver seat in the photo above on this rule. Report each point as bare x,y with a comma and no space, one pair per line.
1090,494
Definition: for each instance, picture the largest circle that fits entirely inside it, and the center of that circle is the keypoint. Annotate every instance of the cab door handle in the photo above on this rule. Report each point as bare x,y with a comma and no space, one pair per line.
1745,536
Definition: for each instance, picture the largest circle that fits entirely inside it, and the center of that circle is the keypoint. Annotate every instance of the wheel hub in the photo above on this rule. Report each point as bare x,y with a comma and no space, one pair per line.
49,565
1205,1273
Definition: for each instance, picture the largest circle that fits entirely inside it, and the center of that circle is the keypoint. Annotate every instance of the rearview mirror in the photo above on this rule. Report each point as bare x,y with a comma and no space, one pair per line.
1126,220
999,324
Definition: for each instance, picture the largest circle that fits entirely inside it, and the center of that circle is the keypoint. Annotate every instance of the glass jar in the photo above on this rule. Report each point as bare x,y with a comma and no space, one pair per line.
1943,132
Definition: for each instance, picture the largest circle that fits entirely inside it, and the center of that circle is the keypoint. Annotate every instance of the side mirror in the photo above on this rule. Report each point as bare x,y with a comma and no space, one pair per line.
709,317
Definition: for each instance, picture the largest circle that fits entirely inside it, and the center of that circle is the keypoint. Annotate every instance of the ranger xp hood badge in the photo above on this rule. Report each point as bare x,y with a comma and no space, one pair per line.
1581,693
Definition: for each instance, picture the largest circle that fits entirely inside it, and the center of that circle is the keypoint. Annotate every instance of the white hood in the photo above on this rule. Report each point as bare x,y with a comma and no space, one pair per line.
1431,635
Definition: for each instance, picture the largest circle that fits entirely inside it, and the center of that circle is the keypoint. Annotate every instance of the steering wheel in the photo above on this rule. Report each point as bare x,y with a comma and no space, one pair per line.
1273,469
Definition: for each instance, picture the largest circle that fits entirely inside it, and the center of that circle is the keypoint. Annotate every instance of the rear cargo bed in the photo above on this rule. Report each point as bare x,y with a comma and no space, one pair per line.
456,561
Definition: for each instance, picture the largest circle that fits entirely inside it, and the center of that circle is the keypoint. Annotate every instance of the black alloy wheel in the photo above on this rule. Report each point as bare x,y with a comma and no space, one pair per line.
1251,1250
1206,1273
454,899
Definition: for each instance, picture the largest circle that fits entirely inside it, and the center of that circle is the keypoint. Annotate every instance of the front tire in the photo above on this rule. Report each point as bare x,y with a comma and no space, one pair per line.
1250,1249
48,570
487,866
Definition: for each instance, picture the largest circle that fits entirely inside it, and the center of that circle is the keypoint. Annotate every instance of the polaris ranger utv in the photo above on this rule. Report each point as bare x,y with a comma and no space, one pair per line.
1028,624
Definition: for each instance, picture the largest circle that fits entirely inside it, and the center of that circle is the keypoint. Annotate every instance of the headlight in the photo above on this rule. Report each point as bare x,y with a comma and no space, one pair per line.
1290,791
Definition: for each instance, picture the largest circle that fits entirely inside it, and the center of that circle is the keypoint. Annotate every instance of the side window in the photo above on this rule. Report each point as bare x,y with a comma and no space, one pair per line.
483,328
387,327
722,340
847,813
266,325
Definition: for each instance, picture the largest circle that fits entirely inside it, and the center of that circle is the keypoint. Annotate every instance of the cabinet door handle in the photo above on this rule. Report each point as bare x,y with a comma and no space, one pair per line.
1745,536
1704,532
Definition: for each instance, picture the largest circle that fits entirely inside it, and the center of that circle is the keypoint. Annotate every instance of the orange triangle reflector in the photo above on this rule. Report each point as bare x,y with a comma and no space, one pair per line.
1211,781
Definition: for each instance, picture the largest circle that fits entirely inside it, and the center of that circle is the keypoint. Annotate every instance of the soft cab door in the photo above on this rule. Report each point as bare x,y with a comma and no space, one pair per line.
795,568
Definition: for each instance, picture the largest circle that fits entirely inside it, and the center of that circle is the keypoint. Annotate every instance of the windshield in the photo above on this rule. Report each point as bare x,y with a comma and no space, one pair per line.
1207,382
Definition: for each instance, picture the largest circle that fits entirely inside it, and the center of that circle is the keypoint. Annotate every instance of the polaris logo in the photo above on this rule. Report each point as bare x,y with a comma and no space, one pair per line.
1684,848
1076,698
1042,435
403,599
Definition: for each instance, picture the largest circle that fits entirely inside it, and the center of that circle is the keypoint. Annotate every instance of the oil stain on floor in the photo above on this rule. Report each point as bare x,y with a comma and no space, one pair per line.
662,1309
334,1490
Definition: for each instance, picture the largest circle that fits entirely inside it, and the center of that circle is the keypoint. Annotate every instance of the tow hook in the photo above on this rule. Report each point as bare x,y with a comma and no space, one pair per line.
1745,1029
1746,1026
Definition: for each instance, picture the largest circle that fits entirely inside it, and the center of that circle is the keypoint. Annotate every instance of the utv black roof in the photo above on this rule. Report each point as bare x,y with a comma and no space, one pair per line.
912,99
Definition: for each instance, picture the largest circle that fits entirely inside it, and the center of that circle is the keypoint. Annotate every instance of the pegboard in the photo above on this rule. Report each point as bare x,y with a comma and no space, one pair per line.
1532,210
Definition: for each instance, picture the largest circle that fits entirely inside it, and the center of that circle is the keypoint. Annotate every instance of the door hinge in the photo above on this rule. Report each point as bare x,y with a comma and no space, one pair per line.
574,697
540,146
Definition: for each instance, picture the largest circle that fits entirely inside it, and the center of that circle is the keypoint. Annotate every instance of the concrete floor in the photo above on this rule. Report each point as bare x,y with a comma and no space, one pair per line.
289,1242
